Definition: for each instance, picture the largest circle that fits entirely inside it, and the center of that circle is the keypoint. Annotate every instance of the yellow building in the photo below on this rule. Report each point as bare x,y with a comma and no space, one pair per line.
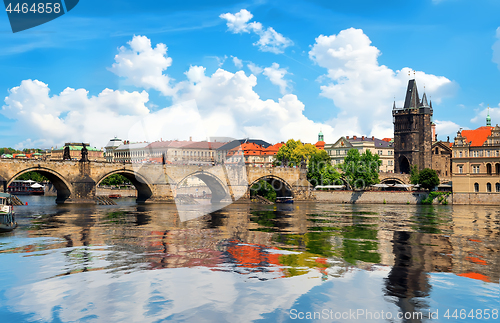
476,160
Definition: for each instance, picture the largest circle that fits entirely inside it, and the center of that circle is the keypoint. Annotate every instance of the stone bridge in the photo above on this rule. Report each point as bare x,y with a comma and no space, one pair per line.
76,181
393,178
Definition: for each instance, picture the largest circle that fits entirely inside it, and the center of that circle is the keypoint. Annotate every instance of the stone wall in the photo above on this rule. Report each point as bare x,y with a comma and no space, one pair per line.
101,191
371,197
476,198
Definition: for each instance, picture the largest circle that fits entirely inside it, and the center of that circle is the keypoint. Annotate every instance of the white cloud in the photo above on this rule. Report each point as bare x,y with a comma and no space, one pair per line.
227,105
362,89
230,107
269,39
71,115
237,62
143,66
496,49
446,128
256,70
482,112
276,76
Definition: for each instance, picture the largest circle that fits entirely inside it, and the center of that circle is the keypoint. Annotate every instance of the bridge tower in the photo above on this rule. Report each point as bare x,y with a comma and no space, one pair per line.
412,132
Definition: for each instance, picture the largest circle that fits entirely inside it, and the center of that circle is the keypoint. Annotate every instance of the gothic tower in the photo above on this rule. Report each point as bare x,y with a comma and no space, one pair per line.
412,132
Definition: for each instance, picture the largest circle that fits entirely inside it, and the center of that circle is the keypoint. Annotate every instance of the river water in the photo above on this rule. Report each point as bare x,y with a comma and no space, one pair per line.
251,263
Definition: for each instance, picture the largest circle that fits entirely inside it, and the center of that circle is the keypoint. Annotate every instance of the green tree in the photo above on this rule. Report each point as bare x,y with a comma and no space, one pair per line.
361,170
115,180
320,171
292,153
428,178
414,173
33,176
264,189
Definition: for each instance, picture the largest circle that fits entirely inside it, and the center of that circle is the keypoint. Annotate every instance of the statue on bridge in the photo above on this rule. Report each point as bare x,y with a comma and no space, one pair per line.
85,153
66,154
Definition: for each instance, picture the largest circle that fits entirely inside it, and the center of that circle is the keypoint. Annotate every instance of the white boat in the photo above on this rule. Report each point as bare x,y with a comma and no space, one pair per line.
7,221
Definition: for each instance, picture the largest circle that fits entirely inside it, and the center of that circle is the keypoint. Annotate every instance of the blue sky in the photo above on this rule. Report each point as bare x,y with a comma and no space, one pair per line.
257,69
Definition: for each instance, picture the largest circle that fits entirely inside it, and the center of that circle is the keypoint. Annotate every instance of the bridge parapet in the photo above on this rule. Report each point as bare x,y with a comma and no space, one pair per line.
76,181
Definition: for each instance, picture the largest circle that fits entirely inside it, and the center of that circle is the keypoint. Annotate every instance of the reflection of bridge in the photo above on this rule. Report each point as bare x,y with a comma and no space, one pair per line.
76,181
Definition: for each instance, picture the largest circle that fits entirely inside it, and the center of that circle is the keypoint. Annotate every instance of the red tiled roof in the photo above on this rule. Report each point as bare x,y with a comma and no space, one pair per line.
387,139
477,136
320,145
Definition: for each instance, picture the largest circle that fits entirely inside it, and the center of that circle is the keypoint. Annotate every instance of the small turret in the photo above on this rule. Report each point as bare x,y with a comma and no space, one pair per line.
320,136
488,118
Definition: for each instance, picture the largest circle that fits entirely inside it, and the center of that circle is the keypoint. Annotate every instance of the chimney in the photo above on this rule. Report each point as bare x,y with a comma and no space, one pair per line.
354,137
190,138
362,137
373,137
347,137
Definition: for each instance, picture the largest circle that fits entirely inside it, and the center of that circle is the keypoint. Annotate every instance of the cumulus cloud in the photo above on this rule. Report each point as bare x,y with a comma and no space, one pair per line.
220,104
446,128
269,39
276,76
363,89
72,114
496,49
229,105
143,66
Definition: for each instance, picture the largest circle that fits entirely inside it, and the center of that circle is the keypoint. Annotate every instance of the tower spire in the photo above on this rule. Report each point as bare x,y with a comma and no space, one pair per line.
488,118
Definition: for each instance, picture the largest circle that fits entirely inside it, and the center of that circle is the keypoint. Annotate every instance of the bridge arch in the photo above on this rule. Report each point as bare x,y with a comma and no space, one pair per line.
392,180
62,186
216,186
280,186
140,183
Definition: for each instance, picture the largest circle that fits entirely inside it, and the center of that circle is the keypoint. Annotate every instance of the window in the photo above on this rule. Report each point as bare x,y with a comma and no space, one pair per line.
476,187
460,153
380,152
460,169
475,169
488,187
497,187
488,154
390,152
390,163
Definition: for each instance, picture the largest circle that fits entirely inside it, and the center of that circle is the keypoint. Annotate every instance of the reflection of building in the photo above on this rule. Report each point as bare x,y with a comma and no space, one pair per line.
476,160
383,148
412,132
75,152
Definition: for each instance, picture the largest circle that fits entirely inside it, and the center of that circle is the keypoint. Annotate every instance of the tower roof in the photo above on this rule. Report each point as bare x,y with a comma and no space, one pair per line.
424,101
488,118
412,100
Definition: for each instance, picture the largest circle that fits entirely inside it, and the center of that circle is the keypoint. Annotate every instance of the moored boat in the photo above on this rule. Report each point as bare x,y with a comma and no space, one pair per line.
7,221
285,199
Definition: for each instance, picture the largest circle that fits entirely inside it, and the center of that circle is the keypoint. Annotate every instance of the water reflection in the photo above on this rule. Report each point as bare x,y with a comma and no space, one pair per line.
246,261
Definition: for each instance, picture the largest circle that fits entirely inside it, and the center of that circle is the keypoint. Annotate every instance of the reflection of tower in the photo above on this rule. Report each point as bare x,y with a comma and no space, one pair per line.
408,280
412,132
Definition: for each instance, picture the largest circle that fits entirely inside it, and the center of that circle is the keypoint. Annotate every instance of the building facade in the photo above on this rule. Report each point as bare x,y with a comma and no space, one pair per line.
75,152
476,160
383,148
412,132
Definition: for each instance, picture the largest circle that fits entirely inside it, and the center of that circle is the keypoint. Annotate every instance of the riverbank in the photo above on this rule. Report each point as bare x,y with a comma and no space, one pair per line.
375,197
